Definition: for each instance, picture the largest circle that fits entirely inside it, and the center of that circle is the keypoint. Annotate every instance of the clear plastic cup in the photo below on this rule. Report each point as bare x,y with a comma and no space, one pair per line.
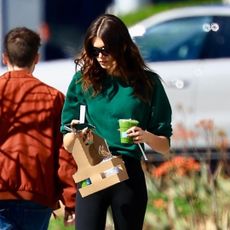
124,125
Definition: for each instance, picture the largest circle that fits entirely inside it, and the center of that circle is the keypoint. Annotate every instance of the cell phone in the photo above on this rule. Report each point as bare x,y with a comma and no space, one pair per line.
78,127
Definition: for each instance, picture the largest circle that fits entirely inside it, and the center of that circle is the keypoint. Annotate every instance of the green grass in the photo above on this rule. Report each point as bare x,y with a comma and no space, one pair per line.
57,224
152,9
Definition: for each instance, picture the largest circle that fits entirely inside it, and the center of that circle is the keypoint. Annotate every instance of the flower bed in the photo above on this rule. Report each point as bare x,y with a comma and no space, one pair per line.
183,194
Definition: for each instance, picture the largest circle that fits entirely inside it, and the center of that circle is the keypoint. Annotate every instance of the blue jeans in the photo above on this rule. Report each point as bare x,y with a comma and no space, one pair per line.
23,215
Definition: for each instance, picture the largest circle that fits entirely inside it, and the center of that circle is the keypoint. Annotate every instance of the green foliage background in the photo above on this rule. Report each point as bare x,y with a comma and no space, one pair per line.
151,9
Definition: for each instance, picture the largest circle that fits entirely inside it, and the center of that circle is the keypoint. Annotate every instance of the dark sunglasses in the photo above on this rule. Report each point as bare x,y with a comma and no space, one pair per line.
96,51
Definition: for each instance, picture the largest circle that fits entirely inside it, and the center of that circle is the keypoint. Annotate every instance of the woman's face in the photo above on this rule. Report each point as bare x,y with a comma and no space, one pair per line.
103,57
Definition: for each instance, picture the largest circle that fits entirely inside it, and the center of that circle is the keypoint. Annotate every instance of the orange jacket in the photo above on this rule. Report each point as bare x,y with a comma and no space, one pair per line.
33,163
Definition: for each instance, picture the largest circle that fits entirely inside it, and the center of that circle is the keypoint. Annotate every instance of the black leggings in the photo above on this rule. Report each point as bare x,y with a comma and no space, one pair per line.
127,200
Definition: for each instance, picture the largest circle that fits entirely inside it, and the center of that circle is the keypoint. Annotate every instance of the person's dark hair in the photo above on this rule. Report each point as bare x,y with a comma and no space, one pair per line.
119,44
21,46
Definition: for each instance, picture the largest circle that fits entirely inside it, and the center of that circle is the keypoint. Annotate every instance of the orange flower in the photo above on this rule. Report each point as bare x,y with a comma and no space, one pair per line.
206,124
159,203
180,132
179,165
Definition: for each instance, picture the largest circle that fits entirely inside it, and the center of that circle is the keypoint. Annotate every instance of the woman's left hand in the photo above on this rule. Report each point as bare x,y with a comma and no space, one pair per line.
158,143
137,133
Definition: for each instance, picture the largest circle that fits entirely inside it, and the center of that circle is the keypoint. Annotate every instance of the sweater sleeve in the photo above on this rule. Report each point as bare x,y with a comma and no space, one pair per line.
71,108
160,120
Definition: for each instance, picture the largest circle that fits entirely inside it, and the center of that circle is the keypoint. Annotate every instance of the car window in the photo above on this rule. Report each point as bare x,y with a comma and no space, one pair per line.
179,39
217,43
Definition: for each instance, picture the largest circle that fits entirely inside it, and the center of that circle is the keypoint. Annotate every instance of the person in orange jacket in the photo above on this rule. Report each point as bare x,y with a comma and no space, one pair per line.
35,170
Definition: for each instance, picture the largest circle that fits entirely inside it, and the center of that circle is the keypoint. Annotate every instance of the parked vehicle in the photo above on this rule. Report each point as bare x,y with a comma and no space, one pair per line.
190,49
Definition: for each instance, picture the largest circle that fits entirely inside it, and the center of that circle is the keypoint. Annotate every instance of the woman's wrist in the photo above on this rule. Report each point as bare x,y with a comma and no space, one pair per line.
68,141
157,143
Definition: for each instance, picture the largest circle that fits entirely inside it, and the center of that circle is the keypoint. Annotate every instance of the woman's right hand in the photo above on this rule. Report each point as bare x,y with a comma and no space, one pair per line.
69,138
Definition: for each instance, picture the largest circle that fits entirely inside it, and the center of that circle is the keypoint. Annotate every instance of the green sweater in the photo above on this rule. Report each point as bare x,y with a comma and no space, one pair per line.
118,102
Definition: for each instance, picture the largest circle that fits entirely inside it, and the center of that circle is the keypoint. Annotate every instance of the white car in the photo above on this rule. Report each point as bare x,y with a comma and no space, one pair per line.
190,49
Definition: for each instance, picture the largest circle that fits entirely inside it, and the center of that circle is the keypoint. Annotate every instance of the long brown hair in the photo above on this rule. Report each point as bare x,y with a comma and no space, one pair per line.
120,46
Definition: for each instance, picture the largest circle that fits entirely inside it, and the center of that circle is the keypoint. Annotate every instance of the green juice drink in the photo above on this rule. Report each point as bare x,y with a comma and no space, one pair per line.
124,125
